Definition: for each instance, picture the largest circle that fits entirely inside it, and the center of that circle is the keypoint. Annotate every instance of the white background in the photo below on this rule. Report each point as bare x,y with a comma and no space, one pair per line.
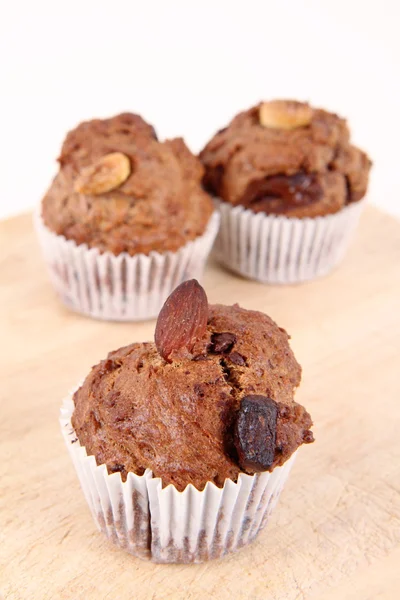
188,67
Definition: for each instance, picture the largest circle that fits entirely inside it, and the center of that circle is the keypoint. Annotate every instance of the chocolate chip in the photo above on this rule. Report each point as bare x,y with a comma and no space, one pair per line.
255,433
222,342
73,441
237,359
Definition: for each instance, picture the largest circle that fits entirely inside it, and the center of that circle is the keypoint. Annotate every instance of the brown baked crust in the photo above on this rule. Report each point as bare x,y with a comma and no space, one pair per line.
137,411
160,206
242,160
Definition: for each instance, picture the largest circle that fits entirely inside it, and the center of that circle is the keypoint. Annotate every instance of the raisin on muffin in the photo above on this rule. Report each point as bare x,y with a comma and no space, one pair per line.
286,158
212,397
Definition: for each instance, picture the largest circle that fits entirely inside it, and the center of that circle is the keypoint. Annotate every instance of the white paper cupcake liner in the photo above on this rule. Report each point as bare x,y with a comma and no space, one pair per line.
278,249
168,526
124,287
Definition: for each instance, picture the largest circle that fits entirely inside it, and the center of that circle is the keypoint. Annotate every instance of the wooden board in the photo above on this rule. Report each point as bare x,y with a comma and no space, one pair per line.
336,532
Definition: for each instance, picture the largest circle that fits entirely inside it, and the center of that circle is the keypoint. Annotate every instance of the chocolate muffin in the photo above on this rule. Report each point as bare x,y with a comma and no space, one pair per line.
212,399
285,158
121,190
123,193
182,409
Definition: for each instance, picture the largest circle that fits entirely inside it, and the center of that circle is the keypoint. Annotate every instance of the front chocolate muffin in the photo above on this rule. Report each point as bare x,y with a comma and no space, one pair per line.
125,219
205,416
285,159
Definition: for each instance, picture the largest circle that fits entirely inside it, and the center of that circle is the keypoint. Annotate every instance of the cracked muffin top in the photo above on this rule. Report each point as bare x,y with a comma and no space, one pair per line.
212,397
285,157
121,190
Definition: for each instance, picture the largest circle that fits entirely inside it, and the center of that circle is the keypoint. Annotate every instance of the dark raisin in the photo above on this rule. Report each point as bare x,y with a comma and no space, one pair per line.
255,433
276,193
222,342
237,359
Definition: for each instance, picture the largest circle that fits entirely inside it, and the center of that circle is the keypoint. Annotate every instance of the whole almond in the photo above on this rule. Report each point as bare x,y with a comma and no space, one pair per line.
182,320
285,114
106,174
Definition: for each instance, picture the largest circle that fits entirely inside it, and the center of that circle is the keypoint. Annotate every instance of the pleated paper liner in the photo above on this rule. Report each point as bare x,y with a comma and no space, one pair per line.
278,249
167,526
124,287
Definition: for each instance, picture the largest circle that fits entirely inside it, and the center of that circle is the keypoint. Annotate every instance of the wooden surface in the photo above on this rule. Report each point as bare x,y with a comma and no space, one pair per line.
335,533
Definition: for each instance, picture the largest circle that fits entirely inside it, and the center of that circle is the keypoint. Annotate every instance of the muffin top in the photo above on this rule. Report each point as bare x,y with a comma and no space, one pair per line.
212,397
121,190
284,157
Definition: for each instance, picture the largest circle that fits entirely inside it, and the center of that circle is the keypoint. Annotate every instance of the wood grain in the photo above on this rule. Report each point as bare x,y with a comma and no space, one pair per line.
336,532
